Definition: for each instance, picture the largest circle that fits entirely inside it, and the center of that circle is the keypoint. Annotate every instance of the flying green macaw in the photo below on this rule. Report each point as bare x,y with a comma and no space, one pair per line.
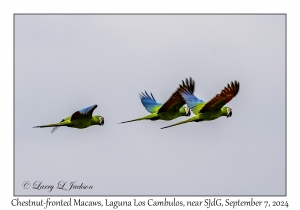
170,110
208,110
80,119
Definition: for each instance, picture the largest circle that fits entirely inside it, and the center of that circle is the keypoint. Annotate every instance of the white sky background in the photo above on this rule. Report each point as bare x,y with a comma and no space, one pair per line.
65,63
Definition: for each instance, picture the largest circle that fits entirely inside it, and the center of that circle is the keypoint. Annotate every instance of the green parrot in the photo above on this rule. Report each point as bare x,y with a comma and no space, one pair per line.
80,119
170,110
208,110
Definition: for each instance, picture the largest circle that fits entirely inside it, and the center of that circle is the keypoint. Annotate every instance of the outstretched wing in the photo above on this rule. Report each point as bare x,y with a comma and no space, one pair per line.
149,102
84,113
221,99
176,101
187,93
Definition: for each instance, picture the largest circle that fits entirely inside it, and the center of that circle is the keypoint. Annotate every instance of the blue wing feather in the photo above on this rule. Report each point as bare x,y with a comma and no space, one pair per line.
192,101
87,109
149,102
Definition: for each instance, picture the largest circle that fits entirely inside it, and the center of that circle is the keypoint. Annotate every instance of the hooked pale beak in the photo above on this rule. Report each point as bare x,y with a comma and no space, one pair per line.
187,111
229,113
101,121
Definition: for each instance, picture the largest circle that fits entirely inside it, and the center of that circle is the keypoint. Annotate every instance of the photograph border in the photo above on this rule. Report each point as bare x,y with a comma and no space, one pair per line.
177,14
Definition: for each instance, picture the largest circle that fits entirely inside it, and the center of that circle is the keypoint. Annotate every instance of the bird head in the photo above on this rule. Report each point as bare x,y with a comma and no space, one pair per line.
229,112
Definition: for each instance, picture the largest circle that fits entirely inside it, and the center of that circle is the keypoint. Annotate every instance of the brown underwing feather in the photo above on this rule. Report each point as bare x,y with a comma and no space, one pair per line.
176,101
221,99
76,115
189,87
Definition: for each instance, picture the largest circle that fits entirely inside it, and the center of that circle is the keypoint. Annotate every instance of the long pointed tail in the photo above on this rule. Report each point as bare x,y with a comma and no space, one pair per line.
148,117
132,120
182,122
57,125
50,125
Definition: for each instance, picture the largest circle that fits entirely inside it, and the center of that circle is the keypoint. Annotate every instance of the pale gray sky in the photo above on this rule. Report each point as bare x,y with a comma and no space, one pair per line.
66,62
